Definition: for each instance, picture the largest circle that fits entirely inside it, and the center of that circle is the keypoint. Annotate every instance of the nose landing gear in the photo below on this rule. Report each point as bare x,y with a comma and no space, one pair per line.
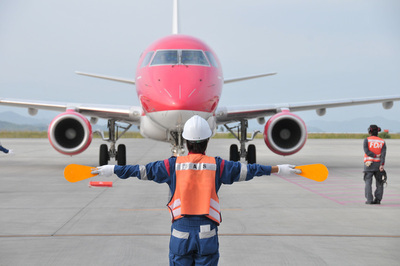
120,153
234,153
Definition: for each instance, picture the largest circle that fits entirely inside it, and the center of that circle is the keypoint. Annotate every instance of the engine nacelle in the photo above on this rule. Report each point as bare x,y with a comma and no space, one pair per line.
285,133
70,133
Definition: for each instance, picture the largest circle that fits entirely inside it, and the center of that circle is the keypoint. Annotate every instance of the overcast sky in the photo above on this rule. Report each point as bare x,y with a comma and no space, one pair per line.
322,50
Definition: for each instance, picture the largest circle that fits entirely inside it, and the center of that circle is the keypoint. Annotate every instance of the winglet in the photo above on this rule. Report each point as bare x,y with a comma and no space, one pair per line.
175,18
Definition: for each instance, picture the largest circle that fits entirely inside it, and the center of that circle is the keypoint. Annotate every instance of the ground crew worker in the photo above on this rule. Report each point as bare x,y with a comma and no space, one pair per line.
374,161
194,181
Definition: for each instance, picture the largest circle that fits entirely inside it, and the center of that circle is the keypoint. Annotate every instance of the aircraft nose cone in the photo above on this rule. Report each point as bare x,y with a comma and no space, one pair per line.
179,87
188,97
181,98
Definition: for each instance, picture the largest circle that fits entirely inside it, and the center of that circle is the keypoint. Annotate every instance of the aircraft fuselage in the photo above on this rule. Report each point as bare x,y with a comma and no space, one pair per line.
176,77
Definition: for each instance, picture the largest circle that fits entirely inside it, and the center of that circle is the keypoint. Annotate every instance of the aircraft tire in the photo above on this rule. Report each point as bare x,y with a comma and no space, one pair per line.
251,154
104,157
121,154
234,153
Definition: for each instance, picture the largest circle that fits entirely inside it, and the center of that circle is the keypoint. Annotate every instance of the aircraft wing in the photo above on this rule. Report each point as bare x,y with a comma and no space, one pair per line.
226,115
123,80
128,114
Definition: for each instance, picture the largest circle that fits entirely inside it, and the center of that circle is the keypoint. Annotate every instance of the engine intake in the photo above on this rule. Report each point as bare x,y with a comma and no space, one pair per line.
285,133
70,133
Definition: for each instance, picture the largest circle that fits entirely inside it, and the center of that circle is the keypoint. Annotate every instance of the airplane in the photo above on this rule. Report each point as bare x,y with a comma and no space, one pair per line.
179,76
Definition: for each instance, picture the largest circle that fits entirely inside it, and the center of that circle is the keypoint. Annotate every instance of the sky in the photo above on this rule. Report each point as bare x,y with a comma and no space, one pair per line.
321,50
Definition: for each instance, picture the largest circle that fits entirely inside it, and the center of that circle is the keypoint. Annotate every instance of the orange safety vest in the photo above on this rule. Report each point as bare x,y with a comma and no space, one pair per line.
195,191
375,145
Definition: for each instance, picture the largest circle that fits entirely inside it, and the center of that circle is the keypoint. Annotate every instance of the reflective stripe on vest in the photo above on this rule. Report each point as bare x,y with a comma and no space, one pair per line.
375,145
195,191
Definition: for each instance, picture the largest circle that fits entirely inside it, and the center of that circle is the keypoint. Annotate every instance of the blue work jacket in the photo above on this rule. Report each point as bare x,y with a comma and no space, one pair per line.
164,172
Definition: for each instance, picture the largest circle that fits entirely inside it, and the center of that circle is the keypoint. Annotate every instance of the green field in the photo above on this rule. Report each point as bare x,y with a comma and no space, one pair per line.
43,134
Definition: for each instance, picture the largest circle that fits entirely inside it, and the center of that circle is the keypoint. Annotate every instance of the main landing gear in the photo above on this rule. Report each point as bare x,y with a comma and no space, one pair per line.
234,153
120,153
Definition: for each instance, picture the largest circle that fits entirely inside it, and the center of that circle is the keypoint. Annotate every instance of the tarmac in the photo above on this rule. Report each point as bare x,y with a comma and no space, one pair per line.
270,220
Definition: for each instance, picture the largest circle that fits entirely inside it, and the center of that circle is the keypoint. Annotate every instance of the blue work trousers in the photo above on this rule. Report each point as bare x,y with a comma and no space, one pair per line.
194,241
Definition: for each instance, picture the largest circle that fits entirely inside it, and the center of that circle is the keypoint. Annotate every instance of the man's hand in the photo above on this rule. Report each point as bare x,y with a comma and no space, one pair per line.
105,170
287,169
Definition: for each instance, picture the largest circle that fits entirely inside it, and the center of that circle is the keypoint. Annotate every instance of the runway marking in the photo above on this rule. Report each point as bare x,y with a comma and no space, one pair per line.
136,210
221,235
165,209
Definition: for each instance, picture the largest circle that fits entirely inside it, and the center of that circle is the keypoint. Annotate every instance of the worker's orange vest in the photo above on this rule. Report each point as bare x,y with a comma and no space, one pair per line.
375,145
195,191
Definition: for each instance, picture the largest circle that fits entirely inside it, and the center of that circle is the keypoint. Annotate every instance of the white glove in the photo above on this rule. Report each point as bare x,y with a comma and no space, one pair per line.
287,169
10,153
105,170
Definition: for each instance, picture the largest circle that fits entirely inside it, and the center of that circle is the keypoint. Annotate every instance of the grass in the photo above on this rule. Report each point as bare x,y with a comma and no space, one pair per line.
23,134
383,135
43,134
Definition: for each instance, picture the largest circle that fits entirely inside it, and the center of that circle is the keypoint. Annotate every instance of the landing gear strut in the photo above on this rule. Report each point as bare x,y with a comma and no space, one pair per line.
120,153
177,143
234,153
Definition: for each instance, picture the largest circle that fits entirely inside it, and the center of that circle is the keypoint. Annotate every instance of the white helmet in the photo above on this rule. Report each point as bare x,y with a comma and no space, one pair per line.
196,128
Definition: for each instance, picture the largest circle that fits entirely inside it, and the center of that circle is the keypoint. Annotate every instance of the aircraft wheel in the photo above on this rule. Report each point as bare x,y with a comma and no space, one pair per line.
234,153
251,154
121,154
104,157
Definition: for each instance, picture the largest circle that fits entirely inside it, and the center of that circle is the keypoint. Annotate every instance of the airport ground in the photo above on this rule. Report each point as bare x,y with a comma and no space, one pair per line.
271,220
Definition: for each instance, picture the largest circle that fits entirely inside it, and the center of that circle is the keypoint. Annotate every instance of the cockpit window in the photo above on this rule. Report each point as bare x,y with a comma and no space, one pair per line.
212,60
193,57
147,59
165,57
174,57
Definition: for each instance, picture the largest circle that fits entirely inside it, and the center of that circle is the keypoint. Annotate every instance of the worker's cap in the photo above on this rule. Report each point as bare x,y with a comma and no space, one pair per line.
196,129
374,128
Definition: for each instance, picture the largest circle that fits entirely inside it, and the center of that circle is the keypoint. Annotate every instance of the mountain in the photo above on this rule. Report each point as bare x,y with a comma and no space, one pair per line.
12,121
22,127
358,125
14,118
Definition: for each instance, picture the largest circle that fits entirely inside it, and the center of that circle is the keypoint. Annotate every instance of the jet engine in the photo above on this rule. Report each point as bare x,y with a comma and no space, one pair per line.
285,133
70,133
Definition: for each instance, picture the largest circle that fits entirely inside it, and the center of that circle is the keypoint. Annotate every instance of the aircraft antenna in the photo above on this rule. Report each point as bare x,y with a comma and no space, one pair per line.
175,22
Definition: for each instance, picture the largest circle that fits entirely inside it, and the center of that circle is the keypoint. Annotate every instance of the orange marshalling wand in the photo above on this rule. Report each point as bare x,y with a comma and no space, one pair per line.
316,172
75,172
